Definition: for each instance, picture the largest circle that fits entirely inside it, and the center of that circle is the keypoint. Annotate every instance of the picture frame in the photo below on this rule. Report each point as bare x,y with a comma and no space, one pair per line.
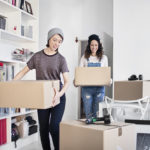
28,8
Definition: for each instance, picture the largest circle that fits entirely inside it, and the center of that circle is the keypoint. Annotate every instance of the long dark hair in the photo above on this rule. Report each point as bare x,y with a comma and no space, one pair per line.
99,52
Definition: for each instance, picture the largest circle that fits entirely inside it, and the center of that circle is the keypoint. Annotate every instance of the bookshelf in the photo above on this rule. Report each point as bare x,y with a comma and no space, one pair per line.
14,37
21,32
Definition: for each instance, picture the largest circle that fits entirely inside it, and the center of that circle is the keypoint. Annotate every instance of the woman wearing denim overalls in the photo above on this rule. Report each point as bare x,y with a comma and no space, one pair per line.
93,95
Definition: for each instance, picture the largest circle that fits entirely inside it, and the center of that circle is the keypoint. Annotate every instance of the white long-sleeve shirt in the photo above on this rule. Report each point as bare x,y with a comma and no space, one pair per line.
94,59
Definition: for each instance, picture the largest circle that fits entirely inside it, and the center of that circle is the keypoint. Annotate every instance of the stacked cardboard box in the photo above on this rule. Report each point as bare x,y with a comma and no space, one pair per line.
131,90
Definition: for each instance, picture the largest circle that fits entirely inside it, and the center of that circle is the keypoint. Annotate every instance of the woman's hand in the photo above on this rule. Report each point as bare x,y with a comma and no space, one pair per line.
58,94
56,99
74,83
111,82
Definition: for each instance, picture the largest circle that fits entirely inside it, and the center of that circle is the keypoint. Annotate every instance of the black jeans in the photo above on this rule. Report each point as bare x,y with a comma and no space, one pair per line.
49,120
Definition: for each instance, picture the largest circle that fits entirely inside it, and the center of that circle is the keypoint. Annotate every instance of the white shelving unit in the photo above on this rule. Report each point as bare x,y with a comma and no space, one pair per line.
21,141
15,18
11,39
12,61
6,35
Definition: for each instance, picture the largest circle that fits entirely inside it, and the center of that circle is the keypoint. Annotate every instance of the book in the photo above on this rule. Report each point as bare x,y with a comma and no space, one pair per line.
3,135
14,2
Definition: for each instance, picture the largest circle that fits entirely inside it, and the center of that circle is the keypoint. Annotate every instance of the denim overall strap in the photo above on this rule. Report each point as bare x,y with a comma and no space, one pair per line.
91,64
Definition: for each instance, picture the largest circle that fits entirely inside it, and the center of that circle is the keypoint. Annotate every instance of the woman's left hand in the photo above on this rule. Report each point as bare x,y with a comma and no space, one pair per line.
56,98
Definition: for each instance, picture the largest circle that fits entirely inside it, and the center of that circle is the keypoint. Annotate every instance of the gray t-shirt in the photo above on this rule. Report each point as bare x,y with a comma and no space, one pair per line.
48,67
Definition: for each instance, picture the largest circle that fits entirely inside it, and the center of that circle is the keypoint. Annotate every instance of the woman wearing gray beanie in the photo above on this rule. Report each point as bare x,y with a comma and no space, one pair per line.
49,64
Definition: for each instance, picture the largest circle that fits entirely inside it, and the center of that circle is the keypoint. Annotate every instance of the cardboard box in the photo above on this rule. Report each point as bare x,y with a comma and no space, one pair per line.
131,90
92,76
27,94
76,135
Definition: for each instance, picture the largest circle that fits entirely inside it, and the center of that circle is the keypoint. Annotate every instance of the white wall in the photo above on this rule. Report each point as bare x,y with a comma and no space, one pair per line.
77,18
97,17
131,38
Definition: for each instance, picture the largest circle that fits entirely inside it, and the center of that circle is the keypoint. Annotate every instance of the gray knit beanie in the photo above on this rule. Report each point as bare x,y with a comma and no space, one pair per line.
54,31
